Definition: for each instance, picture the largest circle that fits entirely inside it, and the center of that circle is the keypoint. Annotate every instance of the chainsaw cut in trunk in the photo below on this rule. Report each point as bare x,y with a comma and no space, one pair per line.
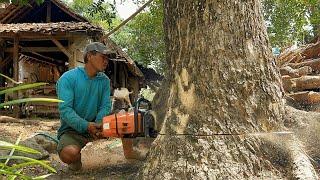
222,80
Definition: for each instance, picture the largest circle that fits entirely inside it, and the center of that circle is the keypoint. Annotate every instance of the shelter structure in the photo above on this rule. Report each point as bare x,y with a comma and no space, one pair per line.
39,42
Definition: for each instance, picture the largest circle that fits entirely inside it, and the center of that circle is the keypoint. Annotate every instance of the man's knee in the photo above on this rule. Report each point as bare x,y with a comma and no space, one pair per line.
70,154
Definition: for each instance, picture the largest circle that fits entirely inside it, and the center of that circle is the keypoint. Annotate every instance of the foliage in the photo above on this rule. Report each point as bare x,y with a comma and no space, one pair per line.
143,37
21,2
290,21
16,170
147,94
23,87
99,12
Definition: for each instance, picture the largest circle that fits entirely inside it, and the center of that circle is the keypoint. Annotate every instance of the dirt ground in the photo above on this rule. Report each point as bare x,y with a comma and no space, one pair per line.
102,159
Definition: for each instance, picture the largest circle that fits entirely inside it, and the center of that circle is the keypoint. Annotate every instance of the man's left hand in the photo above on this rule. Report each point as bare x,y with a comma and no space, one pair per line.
95,130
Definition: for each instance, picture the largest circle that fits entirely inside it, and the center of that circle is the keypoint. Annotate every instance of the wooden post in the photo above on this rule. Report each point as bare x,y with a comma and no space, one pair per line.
72,51
48,12
16,110
16,58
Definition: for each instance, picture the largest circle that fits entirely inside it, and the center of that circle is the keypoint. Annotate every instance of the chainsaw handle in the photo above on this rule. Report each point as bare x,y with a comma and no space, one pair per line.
136,110
137,105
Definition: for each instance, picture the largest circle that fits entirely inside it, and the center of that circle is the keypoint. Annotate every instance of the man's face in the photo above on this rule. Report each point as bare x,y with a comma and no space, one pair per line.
98,61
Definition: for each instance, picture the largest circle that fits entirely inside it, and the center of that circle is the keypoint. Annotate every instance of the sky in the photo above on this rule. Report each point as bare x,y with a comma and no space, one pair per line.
125,9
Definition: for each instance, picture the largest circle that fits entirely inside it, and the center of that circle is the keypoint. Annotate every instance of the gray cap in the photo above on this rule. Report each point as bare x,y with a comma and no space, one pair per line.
99,47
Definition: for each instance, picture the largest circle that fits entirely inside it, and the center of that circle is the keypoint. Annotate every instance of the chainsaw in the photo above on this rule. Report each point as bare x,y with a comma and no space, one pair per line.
136,122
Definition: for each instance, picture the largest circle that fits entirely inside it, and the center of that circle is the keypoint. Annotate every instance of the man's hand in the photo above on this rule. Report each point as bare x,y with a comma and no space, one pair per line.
95,130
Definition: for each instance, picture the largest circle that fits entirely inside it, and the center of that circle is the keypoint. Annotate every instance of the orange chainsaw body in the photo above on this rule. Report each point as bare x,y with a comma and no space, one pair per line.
122,124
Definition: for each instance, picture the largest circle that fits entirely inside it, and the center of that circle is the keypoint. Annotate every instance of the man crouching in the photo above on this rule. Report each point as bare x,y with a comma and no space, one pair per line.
86,95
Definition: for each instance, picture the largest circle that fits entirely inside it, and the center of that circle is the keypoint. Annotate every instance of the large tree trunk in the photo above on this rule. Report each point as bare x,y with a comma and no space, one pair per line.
223,81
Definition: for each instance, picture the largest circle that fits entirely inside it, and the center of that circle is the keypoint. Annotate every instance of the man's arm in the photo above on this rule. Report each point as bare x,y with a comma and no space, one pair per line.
65,92
105,105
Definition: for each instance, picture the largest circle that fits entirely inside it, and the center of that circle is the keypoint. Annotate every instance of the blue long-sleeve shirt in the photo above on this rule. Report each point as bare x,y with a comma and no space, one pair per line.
85,100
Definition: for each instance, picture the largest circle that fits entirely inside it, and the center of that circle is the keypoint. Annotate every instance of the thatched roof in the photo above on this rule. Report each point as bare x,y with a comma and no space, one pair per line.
18,13
50,27
32,21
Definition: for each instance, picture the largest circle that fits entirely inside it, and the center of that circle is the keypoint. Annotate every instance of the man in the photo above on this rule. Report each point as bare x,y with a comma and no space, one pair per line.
86,95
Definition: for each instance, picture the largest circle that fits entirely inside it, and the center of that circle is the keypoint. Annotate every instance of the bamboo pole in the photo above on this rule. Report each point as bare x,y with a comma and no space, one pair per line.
103,38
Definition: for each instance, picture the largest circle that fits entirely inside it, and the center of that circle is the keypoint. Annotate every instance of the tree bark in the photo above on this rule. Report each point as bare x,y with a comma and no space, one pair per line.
222,80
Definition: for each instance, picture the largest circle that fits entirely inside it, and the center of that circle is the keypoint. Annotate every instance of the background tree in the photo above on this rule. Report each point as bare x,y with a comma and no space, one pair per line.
99,12
143,37
290,21
223,87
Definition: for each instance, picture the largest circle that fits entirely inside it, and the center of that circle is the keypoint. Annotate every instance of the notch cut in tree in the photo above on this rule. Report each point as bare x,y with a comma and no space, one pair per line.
222,80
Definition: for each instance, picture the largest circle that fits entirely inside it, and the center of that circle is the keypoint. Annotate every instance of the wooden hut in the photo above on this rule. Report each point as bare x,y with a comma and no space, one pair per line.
38,43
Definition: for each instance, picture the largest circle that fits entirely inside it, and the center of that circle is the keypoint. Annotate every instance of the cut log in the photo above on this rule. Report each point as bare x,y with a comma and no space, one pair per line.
313,63
306,83
306,97
287,83
290,56
287,70
312,51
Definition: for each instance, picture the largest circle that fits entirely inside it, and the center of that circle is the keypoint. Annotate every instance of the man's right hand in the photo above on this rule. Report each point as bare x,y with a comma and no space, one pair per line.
94,130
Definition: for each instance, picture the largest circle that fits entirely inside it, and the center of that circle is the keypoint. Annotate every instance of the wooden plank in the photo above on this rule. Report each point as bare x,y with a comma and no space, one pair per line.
61,62
45,62
61,47
19,14
3,20
35,49
5,62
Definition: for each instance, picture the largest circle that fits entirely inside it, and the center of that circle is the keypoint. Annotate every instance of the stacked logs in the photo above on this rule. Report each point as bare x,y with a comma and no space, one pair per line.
300,71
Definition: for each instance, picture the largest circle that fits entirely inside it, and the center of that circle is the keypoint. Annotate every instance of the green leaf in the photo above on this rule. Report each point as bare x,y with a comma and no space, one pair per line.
12,150
3,166
6,145
42,163
15,82
13,177
18,101
21,87
42,177
6,172
20,165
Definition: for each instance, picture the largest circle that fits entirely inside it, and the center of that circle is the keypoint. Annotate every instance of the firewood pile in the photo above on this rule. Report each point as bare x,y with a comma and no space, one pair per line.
300,71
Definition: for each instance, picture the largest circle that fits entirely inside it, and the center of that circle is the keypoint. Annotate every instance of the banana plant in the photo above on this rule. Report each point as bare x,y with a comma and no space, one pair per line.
21,86
16,171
